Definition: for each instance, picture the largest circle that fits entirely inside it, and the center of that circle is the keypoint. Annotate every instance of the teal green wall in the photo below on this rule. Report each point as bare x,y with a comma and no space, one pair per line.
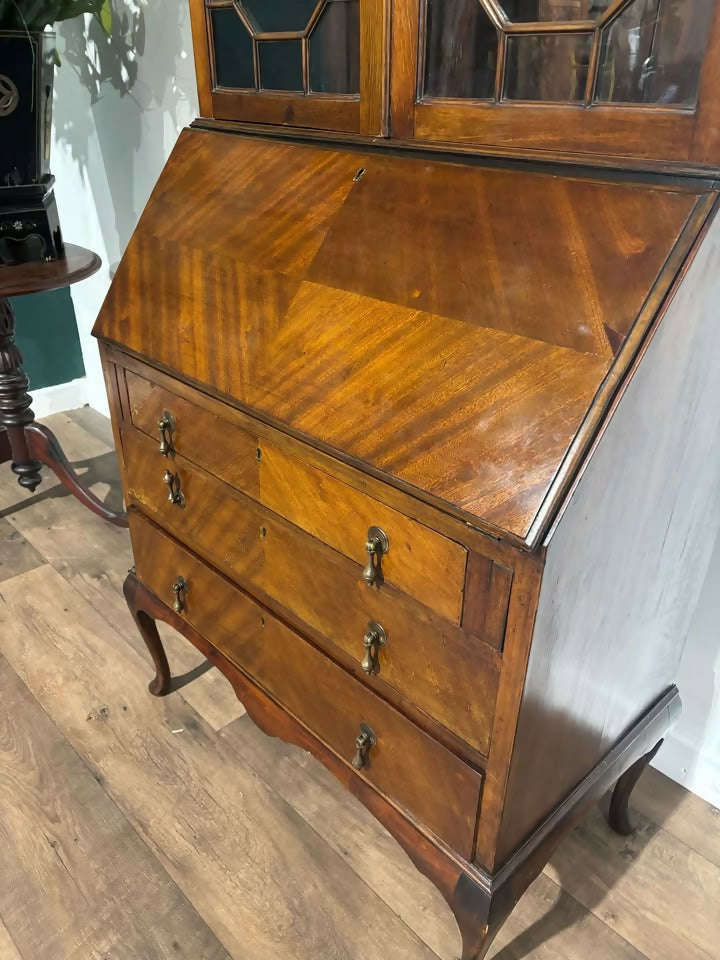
48,338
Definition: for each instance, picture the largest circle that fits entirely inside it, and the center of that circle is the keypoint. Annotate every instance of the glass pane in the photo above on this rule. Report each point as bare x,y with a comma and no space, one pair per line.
652,53
271,16
335,49
461,50
280,64
544,11
233,48
550,67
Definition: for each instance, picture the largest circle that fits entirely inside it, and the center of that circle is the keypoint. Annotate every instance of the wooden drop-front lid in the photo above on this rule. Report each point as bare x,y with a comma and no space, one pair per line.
457,329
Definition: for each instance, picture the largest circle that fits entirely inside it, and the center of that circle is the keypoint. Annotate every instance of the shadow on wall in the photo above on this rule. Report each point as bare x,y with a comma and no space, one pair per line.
140,89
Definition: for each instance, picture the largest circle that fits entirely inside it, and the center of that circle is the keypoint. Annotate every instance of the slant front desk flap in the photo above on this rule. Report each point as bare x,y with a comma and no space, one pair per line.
460,329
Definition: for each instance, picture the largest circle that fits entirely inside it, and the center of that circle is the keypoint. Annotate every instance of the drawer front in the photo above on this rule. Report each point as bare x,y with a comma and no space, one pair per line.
450,676
421,562
405,764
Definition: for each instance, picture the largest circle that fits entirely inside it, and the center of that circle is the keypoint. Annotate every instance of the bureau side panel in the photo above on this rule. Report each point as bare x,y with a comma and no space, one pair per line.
117,399
626,561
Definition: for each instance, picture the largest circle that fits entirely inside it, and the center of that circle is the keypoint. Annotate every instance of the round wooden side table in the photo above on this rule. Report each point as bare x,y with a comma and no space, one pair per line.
28,445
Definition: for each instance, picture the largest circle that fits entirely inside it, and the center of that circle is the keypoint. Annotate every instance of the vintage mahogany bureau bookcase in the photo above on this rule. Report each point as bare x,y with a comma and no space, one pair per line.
414,365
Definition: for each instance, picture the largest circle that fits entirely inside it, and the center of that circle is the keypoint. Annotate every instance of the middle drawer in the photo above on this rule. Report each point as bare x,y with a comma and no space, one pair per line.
315,690
450,676
423,563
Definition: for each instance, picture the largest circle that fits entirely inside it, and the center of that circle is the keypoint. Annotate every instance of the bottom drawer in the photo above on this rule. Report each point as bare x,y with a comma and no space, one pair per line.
406,764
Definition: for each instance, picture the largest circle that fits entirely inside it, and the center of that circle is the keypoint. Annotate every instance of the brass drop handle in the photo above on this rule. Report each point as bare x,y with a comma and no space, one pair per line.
375,637
166,425
363,742
179,588
175,495
377,546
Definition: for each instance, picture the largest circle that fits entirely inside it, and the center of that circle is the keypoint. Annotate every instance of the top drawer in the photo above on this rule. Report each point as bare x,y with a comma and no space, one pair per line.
421,562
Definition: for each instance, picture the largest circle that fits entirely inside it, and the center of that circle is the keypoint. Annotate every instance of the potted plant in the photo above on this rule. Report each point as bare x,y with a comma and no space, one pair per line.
27,61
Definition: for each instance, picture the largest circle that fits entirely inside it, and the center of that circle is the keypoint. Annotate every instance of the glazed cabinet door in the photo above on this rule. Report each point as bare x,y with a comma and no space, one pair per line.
304,63
637,78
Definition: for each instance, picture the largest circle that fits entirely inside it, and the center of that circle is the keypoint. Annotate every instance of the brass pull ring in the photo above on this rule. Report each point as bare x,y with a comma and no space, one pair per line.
179,588
363,742
375,637
175,494
166,425
376,547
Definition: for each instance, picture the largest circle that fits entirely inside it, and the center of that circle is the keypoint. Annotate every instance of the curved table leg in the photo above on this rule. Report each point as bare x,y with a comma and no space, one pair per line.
43,444
26,443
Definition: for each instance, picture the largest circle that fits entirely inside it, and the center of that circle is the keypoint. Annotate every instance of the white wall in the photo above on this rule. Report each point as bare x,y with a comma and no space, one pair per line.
117,117
119,107
691,754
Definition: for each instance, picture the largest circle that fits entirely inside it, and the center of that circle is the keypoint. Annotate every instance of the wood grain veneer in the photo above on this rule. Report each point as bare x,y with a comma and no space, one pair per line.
626,628
364,112
507,365
392,48
385,364
325,507
77,264
310,686
426,658
627,132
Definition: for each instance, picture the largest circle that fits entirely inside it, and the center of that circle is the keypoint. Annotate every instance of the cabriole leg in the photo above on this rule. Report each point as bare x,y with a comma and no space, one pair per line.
161,683
472,906
619,813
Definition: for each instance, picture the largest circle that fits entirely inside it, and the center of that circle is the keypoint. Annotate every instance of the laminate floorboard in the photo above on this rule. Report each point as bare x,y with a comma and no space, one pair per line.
248,862
345,824
8,950
650,888
95,888
195,826
16,554
685,816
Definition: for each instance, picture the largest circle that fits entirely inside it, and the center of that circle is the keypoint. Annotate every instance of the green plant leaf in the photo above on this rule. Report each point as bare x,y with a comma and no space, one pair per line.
105,17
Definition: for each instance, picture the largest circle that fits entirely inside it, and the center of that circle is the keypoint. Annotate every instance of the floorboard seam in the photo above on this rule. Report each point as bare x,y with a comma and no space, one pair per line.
211,732
100,780
48,561
9,931
591,912
271,786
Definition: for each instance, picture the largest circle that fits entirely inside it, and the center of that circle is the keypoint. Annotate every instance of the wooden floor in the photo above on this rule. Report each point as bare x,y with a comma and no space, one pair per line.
132,827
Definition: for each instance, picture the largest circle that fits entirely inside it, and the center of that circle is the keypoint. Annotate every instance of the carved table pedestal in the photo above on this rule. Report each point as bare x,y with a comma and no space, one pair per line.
28,445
